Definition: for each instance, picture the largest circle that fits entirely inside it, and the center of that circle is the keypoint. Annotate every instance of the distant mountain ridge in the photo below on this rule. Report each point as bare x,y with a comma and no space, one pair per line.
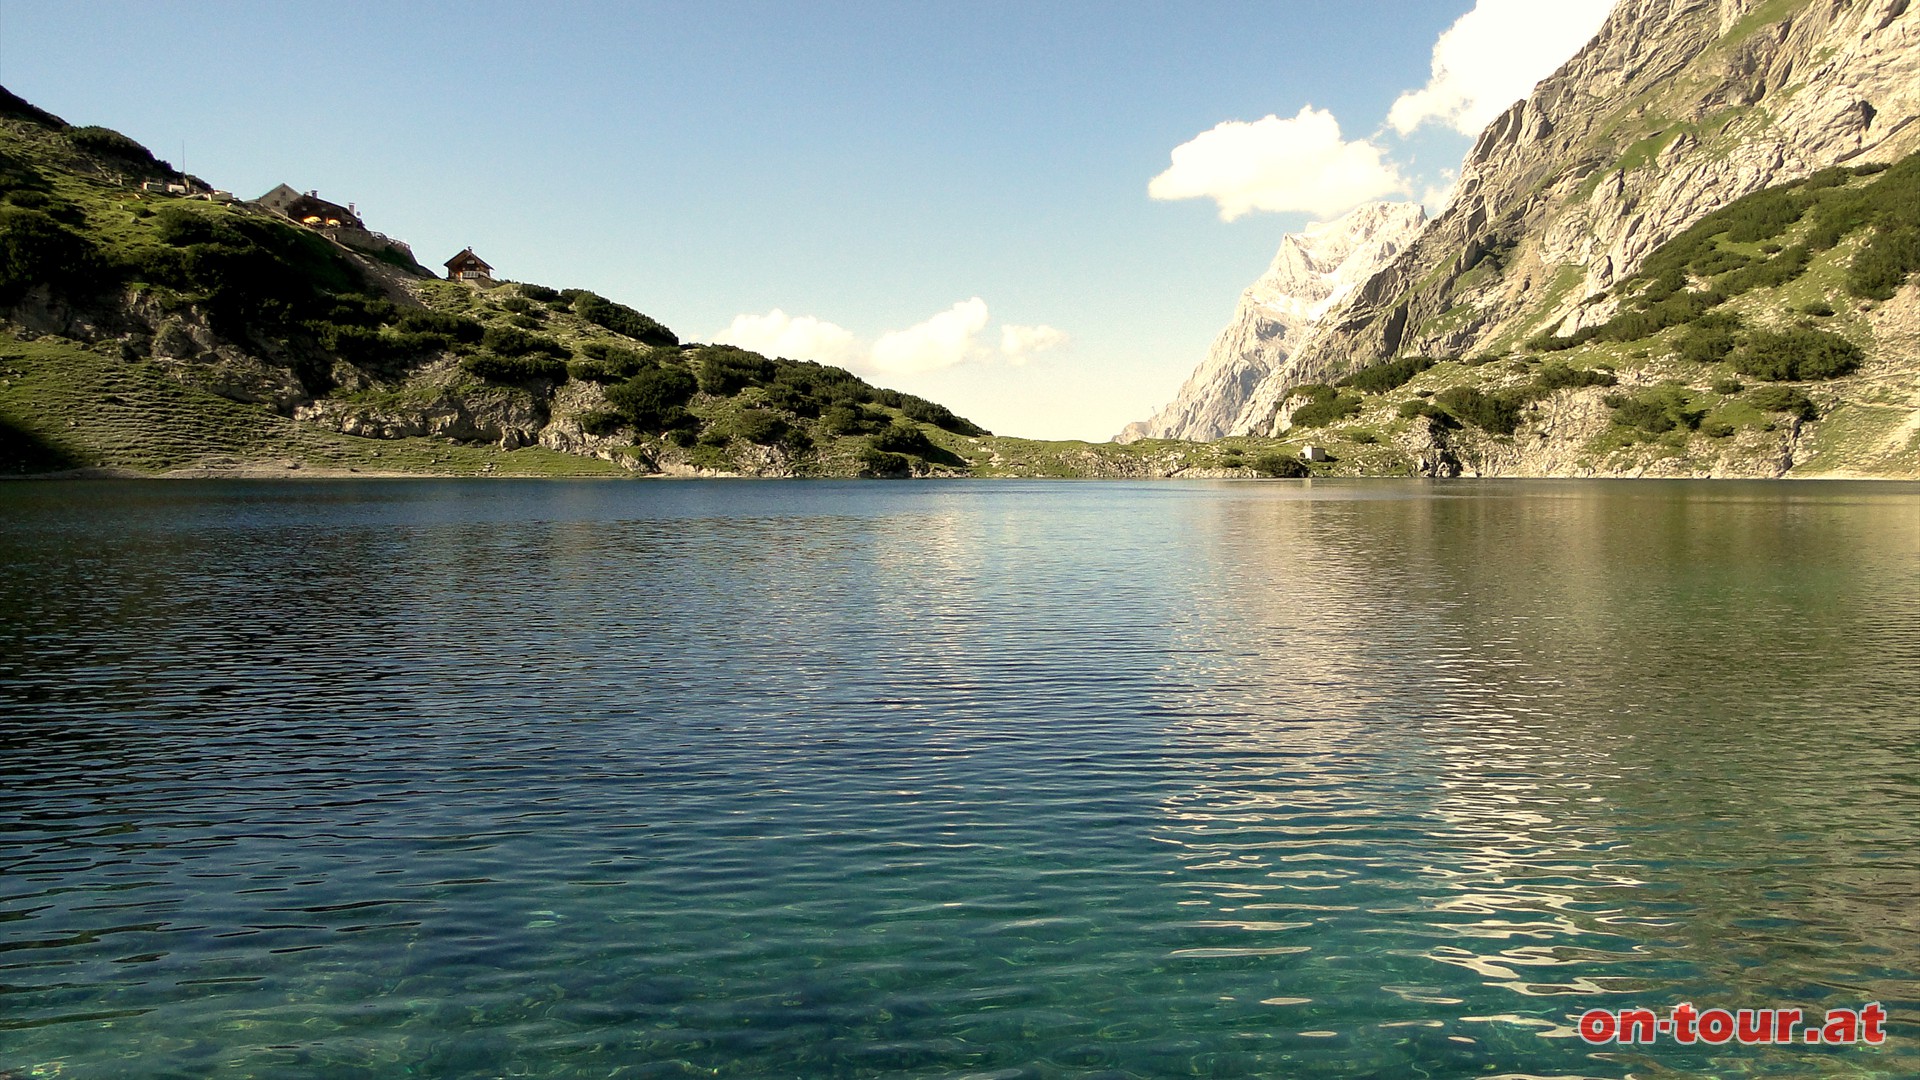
1314,272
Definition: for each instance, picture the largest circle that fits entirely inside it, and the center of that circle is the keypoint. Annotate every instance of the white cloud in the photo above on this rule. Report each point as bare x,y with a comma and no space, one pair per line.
949,338
802,338
941,342
1301,164
1019,343
1493,57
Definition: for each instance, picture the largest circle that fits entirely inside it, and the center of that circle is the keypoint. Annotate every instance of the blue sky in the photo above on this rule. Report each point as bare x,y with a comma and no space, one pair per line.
869,166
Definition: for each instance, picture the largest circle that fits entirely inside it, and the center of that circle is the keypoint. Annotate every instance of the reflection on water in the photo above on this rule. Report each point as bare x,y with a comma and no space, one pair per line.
554,779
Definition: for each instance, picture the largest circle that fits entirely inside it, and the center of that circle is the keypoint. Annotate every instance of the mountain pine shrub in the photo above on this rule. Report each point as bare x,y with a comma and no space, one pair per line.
1797,355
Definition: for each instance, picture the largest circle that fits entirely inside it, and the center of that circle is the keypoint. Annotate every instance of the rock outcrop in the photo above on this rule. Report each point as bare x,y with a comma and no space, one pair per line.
1675,109
1314,272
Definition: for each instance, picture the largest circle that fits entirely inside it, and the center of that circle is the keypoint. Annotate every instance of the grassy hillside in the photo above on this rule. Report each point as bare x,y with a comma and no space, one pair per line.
65,406
148,331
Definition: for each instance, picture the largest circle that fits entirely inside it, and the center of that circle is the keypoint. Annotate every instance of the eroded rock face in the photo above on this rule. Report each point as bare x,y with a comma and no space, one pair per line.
238,376
1313,273
184,343
507,419
1675,109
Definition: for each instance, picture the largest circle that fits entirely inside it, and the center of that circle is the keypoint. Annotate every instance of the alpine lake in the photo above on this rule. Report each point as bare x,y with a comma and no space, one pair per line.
952,779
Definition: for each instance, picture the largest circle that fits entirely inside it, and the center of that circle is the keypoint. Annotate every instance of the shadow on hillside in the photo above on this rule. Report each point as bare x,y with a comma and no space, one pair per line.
940,455
22,451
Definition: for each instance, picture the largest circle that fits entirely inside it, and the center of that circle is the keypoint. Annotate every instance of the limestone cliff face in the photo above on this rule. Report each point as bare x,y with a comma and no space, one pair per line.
1676,108
1314,272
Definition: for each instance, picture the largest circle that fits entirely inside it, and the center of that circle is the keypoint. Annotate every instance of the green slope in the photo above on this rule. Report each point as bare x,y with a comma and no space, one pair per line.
168,328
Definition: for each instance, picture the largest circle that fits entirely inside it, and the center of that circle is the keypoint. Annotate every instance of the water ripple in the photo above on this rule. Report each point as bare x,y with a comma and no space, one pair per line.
750,780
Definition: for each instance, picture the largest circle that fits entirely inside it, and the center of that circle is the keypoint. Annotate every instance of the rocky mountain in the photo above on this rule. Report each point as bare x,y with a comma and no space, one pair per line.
1690,252
1314,272
1677,108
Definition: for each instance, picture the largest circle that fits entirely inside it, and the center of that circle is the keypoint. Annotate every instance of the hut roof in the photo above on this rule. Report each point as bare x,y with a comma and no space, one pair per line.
467,258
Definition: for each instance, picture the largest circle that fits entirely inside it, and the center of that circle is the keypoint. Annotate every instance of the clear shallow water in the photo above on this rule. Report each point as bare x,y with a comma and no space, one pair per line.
962,779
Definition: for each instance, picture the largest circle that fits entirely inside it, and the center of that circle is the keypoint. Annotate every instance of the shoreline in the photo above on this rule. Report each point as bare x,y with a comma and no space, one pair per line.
297,473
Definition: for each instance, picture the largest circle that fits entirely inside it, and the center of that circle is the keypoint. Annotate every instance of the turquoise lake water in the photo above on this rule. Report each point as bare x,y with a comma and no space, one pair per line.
995,779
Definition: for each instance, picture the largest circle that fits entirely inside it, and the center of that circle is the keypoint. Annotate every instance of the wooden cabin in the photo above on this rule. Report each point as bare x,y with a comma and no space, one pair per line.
309,209
467,266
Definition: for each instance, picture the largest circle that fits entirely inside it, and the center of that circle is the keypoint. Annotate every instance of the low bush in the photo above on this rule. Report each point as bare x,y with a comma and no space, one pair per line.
1656,411
600,362
927,412
1763,215
1884,263
1417,408
524,368
790,398
1832,176
1326,405
1705,345
1727,387
620,319
1720,261
1789,264
36,249
1497,413
455,327
823,382
758,426
724,370
1797,355
384,353
877,462
1380,378
846,418
539,293
654,400
514,341
901,437
107,142
1645,415
1281,466
601,422
622,356
1782,399
367,311
1558,376
1676,309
